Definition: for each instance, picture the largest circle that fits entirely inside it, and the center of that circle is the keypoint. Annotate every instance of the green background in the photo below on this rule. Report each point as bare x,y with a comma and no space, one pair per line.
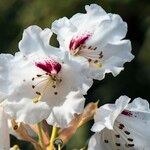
134,81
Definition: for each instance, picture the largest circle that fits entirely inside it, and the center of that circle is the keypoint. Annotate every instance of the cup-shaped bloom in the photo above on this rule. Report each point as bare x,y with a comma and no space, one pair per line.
41,81
98,38
122,125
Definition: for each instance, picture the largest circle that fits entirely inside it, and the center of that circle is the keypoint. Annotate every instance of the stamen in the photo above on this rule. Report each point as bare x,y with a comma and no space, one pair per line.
55,93
33,86
89,60
129,139
90,47
35,101
38,75
52,81
100,55
54,86
106,141
113,140
127,132
117,136
123,134
38,93
130,145
96,61
118,144
98,65
121,126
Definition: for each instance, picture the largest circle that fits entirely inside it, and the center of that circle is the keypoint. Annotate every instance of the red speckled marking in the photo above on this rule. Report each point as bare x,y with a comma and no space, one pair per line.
49,66
127,113
76,42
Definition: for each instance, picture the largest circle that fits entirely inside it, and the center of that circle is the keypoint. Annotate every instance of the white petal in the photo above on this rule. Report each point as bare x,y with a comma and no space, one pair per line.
63,24
110,30
34,39
64,30
98,126
107,114
77,71
4,135
95,9
138,128
5,62
62,115
139,104
97,143
94,14
120,104
28,112
107,140
120,49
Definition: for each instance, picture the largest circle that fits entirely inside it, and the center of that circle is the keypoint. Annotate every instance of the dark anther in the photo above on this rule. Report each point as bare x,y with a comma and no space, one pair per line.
57,143
32,79
33,86
38,93
89,60
55,93
121,126
89,47
127,132
100,55
130,145
96,61
95,48
117,144
117,136
54,86
38,75
129,139
106,141
54,79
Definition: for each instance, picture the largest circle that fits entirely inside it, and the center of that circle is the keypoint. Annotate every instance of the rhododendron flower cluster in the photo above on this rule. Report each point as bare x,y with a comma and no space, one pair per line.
43,85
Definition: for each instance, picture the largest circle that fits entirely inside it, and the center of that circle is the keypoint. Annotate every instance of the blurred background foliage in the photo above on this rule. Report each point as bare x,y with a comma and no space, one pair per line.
134,81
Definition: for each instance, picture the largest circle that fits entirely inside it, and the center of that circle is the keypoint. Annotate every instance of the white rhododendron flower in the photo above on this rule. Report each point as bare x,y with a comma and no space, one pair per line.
98,38
4,131
122,125
41,82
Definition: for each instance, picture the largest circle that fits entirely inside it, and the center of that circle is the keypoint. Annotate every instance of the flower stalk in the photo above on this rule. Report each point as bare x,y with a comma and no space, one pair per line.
41,140
53,136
